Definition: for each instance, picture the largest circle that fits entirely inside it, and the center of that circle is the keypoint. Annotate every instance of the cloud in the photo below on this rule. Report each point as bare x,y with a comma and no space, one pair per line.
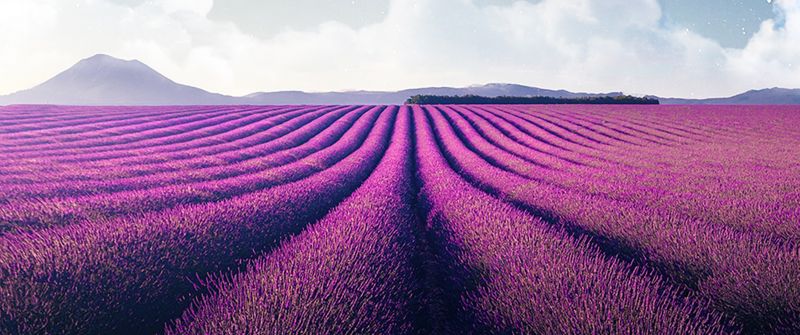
590,45
772,56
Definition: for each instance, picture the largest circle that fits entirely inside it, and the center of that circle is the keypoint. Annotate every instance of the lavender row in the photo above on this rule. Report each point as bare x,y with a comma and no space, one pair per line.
35,162
644,156
514,274
647,120
722,122
35,113
317,154
251,160
203,152
647,187
548,157
350,273
657,122
542,127
69,117
95,133
648,135
754,192
16,126
543,136
131,275
740,273
765,204
596,135
162,134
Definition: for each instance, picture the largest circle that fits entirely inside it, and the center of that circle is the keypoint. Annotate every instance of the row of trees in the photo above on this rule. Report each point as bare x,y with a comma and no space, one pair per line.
507,100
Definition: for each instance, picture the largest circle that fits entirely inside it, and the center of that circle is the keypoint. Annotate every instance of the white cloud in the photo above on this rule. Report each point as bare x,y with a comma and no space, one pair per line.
591,45
199,7
772,56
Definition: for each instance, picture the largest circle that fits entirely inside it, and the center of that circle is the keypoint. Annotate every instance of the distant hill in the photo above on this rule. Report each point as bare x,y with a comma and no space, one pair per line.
105,80
398,97
769,96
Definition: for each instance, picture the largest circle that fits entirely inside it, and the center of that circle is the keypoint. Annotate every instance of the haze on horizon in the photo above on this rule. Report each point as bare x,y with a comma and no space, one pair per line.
679,48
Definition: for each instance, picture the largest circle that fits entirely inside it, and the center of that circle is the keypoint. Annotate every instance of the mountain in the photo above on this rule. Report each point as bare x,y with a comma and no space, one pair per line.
398,97
105,80
769,96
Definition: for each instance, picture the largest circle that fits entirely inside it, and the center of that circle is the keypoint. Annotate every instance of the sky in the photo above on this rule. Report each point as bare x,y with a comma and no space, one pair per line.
671,48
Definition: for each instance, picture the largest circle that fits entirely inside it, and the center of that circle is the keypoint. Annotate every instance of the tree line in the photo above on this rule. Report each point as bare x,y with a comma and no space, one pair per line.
537,100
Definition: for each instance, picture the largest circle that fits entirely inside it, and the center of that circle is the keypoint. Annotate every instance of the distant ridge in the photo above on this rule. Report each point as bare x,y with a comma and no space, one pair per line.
768,96
399,97
105,80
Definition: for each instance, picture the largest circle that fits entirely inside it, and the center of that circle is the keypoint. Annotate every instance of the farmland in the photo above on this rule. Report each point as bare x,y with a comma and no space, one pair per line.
507,219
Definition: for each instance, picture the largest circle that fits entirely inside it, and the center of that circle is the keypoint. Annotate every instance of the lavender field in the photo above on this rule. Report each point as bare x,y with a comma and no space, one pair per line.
439,219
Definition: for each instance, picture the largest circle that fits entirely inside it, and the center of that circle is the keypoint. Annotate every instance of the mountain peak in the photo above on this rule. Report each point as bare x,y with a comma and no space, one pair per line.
102,58
106,80
103,61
